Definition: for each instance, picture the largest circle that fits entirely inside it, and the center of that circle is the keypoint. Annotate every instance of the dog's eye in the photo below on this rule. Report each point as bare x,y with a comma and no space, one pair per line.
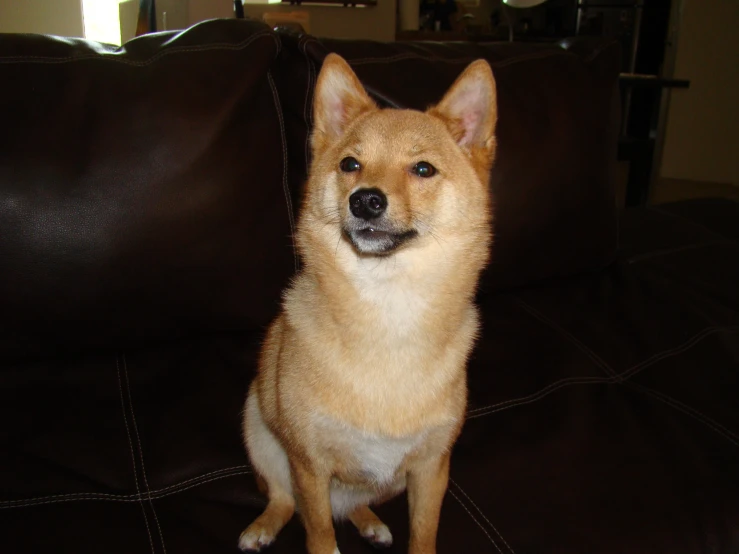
424,169
349,164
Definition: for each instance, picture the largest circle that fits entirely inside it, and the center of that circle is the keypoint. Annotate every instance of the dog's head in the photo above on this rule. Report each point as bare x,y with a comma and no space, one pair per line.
389,179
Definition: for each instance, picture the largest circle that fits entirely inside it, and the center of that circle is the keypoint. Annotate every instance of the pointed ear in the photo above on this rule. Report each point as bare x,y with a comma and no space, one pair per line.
470,107
339,98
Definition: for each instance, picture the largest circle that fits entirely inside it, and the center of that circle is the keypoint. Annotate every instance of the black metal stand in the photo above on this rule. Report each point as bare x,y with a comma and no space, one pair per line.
640,151
239,9
147,20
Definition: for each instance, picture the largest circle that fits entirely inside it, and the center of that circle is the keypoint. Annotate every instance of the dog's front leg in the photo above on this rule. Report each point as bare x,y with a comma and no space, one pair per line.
314,505
427,483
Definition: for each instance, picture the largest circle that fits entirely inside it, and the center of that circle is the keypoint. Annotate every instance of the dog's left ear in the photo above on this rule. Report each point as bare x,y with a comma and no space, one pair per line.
338,100
470,107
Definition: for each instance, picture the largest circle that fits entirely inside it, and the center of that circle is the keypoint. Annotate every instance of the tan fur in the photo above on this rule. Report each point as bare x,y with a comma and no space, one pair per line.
361,389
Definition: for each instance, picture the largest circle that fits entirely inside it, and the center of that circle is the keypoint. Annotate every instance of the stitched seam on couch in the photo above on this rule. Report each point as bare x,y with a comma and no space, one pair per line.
688,410
139,499
285,186
618,378
677,250
597,360
141,451
307,111
471,414
155,494
469,513
479,511
175,50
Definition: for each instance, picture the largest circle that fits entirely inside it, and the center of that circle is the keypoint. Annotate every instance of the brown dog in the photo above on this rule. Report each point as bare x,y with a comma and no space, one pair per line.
361,390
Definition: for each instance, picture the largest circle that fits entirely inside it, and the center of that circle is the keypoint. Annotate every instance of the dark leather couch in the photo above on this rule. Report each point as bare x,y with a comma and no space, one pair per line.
148,196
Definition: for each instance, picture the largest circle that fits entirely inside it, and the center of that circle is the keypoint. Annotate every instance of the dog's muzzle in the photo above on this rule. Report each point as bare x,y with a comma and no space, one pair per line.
369,229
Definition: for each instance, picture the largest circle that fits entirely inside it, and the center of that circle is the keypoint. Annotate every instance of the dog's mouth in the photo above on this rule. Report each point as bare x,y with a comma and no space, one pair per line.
375,240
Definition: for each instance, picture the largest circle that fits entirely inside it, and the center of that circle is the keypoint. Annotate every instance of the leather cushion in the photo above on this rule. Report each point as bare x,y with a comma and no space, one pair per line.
143,189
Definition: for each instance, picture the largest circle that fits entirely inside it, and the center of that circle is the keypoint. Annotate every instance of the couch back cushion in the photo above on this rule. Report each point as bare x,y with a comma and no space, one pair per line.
552,185
143,189
150,191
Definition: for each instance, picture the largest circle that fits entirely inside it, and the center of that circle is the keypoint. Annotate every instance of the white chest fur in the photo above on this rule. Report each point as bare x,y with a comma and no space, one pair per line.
394,291
376,457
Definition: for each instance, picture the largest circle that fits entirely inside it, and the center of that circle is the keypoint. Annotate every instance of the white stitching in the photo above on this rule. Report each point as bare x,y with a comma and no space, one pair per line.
473,519
618,378
668,251
141,451
580,345
307,111
98,57
508,546
156,492
538,395
193,485
285,186
688,410
692,341
113,498
233,469
133,456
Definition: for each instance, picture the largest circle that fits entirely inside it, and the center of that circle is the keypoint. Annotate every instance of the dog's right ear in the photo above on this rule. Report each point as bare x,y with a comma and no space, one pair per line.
339,99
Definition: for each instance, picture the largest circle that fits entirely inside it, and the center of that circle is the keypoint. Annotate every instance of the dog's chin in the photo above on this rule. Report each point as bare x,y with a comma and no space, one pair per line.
370,241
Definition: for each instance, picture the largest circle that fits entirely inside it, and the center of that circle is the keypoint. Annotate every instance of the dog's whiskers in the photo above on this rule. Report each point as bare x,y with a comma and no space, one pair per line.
436,238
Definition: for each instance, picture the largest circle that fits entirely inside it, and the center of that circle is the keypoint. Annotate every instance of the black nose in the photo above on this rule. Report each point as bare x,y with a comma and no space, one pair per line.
367,203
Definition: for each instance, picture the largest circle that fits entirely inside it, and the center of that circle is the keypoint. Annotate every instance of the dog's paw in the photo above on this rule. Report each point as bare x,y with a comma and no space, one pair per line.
255,538
378,535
